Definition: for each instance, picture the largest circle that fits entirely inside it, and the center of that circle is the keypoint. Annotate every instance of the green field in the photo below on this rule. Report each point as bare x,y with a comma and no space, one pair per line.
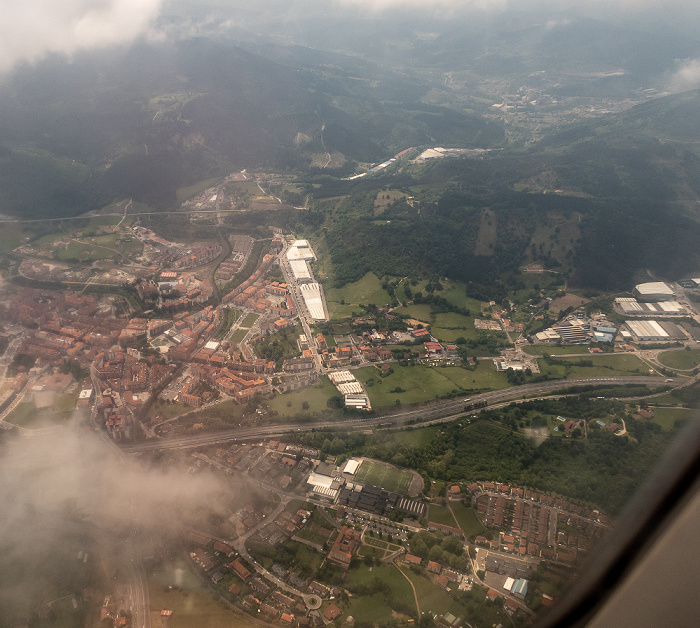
450,326
11,236
374,608
343,301
384,477
25,413
423,383
441,515
192,190
290,404
467,519
249,320
683,360
420,312
238,335
667,417
554,349
456,293
418,437
603,366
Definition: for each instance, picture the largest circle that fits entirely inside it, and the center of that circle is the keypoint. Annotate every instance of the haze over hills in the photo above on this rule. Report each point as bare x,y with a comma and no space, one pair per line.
227,91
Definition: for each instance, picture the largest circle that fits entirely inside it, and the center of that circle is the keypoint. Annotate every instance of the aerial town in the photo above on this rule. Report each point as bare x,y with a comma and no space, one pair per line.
145,347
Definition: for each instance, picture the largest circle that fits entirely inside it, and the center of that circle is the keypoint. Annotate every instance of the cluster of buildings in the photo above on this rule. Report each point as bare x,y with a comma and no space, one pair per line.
299,255
241,247
161,252
529,522
353,392
123,381
654,299
175,291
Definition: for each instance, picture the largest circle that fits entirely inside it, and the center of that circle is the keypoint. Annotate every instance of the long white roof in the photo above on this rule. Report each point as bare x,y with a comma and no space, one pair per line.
300,269
650,329
653,287
313,300
351,467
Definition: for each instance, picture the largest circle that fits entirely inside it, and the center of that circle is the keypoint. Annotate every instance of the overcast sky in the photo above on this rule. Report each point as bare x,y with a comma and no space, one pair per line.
32,28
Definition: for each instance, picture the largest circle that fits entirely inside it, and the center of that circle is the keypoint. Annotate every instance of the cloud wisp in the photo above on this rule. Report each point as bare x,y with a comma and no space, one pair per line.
31,29
686,76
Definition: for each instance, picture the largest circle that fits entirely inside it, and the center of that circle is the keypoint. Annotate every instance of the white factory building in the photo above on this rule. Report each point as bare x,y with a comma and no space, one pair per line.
300,250
300,270
654,291
353,391
653,330
313,298
632,307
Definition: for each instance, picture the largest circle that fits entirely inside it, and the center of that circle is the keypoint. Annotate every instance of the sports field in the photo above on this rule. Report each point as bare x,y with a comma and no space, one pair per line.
385,477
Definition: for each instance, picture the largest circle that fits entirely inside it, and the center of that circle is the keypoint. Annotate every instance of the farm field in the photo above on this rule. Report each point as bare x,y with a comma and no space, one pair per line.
667,417
342,301
683,360
554,350
421,383
385,477
603,366
316,397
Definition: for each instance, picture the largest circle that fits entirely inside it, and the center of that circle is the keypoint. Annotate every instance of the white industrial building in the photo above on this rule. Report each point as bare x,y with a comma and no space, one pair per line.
353,391
300,250
341,377
313,298
632,307
324,486
647,330
351,388
351,467
654,291
300,270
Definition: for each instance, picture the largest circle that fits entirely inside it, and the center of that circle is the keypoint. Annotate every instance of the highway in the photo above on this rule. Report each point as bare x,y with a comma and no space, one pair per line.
440,410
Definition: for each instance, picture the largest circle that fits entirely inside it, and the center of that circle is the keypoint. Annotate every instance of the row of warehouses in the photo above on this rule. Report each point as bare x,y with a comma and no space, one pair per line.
632,307
577,331
299,255
353,392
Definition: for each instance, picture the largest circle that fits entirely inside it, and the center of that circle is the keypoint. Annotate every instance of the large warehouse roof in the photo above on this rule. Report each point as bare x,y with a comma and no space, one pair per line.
300,250
314,301
654,287
647,329
300,269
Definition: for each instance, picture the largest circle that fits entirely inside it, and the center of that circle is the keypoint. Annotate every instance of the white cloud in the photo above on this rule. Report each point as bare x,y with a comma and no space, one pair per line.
30,29
686,77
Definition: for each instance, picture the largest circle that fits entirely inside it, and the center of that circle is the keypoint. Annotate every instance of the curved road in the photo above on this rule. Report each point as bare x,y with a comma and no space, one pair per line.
445,410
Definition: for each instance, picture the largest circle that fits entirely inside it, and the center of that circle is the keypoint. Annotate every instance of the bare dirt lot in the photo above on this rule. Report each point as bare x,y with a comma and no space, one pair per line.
568,300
